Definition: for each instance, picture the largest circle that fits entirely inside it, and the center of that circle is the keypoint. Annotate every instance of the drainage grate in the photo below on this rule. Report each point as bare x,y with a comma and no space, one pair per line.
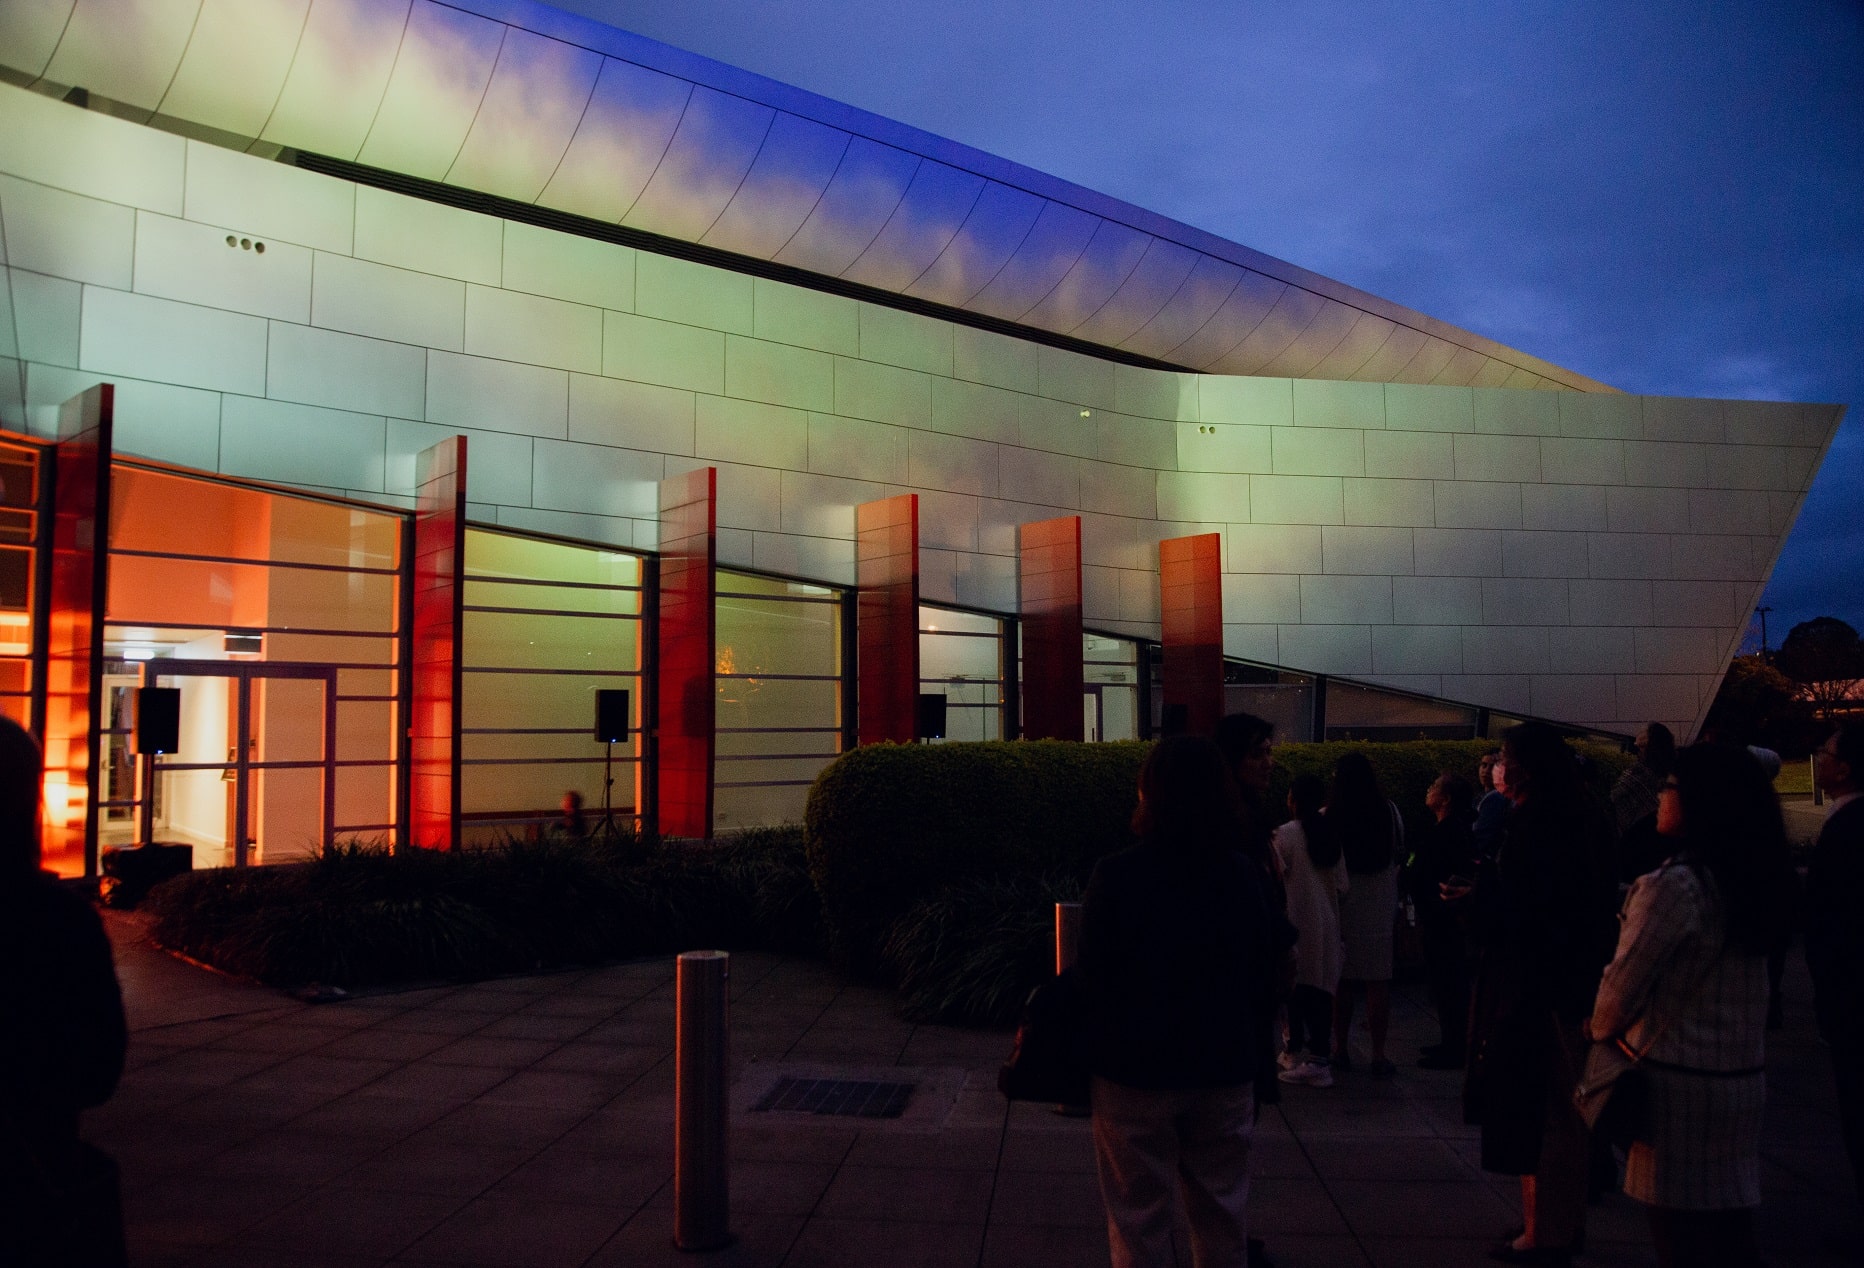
845,1098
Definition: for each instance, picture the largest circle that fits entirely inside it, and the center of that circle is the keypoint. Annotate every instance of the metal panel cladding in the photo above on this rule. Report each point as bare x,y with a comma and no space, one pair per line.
510,97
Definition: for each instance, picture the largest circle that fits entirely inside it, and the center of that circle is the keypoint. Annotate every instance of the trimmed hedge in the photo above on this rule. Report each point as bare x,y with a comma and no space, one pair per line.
893,826
359,915
932,867
1407,770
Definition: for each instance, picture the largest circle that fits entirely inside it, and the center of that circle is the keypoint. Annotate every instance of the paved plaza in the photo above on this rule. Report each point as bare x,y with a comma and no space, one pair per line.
528,1121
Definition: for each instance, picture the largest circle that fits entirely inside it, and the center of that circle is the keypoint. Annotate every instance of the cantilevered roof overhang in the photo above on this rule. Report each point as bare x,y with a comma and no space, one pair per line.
523,102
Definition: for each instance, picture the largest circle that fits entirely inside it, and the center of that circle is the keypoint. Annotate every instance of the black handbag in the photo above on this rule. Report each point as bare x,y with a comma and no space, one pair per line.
1045,1064
1613,1095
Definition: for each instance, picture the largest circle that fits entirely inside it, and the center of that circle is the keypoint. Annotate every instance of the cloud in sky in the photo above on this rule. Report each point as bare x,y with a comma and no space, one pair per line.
1668,198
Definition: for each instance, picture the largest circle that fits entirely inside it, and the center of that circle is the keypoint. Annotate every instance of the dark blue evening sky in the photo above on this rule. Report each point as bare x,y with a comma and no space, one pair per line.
1668,198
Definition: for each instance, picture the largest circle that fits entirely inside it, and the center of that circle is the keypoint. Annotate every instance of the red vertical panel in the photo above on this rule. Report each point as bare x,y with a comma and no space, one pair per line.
1191,628
439,591
1048,593
74,646
688,651
886,575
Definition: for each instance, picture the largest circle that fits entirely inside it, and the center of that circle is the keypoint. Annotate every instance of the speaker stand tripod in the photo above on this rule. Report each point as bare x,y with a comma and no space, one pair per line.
608,792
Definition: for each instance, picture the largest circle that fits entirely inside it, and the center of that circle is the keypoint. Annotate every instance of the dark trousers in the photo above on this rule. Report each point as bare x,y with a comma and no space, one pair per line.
1446,964
1848,1069
1704,1239
1310,1021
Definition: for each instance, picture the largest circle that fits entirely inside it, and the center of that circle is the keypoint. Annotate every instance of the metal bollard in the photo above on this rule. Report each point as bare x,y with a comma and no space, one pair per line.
1067,934
701,1172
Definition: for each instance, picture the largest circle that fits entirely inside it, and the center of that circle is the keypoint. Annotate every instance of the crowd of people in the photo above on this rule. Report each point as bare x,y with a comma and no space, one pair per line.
1225,954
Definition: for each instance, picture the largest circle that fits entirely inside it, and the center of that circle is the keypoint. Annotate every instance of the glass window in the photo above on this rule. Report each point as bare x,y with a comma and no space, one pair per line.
276,618
1358,712
779,683
547,624
1282,696
19,491
1110,708
241,522
961,658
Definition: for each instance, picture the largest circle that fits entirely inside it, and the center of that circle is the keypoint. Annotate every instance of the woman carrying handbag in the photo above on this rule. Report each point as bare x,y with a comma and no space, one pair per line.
1180,947
1687,992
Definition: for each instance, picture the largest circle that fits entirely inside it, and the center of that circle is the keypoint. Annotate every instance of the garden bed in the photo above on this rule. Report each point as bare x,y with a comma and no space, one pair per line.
362,915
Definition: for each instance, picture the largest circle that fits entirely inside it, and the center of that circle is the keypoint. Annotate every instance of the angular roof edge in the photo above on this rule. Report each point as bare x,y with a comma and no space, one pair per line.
527,103
643,50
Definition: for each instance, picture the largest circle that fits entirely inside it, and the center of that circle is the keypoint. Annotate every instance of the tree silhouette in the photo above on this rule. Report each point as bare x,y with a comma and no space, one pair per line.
1825,657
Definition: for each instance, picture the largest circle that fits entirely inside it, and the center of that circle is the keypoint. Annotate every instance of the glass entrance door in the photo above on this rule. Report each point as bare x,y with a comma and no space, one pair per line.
251,780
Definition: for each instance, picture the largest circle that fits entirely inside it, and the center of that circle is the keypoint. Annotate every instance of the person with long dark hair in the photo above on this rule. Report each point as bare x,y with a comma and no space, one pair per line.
1370,834
1541,915
1176,964
1687,989
1315,877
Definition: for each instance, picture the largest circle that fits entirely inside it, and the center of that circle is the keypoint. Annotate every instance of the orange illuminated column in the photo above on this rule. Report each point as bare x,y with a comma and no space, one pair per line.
1048,594
439,591
1191,630
688,645
886,577
75,631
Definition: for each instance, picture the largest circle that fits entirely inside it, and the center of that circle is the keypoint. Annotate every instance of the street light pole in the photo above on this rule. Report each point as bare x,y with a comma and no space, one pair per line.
1763,611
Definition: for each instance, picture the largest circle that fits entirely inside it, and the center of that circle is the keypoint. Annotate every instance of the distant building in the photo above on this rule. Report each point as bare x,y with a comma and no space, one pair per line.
310,242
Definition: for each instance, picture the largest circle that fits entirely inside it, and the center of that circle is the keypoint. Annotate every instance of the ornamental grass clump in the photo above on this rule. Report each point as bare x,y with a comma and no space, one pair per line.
971,955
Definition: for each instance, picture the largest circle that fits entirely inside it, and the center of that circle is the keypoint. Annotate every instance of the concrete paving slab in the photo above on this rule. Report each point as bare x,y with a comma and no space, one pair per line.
529,1120
505,1230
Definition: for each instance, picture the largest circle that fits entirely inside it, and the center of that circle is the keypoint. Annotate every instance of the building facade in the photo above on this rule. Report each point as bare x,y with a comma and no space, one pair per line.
309,243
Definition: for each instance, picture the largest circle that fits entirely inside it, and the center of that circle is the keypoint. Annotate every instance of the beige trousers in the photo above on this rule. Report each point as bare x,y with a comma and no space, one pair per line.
1155,1149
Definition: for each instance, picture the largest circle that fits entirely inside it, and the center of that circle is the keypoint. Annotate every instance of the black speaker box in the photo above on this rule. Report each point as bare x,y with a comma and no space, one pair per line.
611,716
158,719
931,715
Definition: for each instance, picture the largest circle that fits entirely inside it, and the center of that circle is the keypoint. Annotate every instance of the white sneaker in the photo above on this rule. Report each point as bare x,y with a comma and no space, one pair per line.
1309,1074
1289,1060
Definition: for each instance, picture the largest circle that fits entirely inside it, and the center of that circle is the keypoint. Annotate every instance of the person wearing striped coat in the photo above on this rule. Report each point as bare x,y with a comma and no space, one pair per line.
1687,989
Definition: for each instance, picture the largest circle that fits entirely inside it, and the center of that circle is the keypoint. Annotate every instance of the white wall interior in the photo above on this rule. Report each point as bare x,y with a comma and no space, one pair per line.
1591,557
